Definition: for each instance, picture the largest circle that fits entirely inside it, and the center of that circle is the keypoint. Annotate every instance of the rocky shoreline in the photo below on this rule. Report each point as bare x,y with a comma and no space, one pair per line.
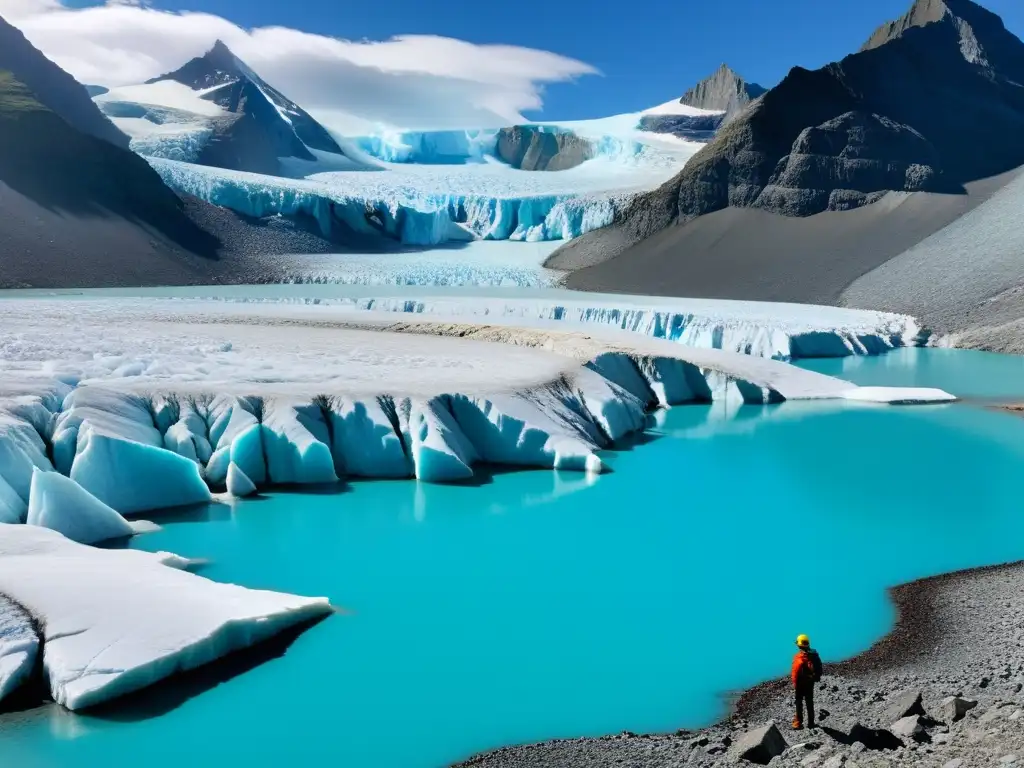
943,689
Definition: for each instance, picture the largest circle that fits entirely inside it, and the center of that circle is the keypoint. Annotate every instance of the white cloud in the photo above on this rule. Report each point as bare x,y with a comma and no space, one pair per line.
408,81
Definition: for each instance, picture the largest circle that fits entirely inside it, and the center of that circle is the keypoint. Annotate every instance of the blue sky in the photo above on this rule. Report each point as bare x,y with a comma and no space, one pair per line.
649,52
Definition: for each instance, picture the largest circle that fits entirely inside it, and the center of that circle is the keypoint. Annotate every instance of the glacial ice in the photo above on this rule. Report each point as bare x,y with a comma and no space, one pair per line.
203,396
62,505
116,621
238,484
19,646
429,147
412,215
110,469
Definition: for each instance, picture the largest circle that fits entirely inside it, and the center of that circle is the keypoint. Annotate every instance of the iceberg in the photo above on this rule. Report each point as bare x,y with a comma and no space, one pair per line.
62,505
115,621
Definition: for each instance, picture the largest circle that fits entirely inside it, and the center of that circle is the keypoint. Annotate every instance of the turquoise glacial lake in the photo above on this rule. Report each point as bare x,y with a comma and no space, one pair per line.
540,605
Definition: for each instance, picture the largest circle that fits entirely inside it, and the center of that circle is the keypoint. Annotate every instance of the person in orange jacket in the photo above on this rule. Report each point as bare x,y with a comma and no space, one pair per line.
805,673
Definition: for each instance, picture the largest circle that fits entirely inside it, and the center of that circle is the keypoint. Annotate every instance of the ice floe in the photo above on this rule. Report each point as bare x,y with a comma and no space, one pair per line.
115,621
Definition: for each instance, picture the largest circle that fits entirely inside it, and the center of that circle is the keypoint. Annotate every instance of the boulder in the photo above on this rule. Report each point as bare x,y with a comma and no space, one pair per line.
908,727
761,744
955,709
904,705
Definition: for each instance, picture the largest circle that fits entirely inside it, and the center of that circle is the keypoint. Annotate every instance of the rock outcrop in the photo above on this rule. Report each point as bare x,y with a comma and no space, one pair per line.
535,148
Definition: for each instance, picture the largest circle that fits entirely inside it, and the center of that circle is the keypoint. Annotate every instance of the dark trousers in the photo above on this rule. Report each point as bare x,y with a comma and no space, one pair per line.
805,693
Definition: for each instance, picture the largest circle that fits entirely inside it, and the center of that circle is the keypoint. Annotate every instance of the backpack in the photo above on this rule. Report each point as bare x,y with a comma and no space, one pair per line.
816,669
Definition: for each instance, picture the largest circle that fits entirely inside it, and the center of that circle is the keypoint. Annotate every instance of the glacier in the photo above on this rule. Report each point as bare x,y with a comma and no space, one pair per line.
112,622
184,399
418,188
419,210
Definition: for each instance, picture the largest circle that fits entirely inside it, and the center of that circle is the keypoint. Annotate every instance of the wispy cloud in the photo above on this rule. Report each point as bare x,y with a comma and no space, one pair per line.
408,81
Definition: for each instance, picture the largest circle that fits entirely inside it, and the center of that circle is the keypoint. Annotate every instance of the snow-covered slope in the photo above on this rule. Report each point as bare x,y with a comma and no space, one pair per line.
216,111
115,621
183,397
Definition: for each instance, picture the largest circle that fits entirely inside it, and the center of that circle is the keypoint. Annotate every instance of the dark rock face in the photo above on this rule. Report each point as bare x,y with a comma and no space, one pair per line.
692,127
529,148
54,88
724,91
935,101
256,134
80,211
46,160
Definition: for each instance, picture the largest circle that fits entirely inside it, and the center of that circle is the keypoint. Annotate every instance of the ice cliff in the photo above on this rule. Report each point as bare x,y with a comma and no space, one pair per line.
404,214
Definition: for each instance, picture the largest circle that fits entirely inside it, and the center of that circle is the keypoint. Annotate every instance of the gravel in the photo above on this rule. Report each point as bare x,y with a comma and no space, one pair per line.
961,634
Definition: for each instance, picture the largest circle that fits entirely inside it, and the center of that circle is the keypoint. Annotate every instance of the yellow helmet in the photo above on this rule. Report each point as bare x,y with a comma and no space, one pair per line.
803,641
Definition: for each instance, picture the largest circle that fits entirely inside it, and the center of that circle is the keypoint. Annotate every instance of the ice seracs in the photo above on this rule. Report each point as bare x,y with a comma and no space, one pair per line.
116,621
62,505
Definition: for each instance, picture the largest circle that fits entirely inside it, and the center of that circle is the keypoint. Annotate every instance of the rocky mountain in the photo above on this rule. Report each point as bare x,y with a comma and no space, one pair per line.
262,125
723,91
932,103
54,88
80,209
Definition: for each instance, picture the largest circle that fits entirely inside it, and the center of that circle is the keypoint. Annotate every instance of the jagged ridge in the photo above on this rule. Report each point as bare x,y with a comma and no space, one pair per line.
723,91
